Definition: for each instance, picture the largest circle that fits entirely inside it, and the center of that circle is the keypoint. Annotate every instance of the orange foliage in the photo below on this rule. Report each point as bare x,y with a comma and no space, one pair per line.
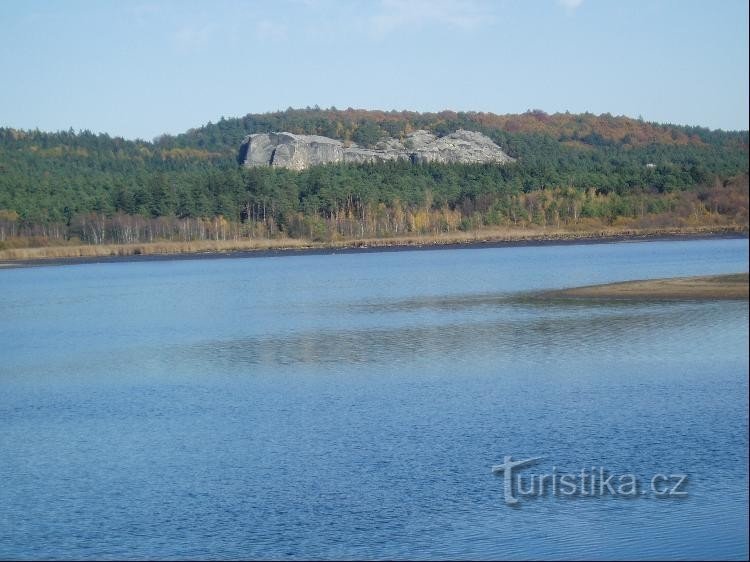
563,126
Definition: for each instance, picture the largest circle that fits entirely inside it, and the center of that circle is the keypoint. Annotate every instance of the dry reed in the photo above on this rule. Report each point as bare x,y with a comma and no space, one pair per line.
497,235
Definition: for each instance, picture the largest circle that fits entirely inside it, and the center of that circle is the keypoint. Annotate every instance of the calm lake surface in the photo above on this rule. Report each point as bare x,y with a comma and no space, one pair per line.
353,405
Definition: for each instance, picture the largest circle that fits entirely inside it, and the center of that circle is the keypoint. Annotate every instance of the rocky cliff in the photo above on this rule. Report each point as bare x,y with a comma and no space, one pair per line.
297,152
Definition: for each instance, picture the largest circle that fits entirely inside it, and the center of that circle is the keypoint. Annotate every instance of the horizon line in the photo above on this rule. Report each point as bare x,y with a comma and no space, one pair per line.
349,108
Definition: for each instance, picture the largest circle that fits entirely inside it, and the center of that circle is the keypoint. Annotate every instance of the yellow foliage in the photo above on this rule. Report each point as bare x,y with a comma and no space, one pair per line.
6,215
188,154
421,221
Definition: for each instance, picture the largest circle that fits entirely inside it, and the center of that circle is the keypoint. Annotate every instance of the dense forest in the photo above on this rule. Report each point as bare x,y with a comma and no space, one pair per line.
572,171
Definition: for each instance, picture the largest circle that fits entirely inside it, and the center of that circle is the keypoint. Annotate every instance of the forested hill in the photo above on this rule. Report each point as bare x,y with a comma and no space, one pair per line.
53,184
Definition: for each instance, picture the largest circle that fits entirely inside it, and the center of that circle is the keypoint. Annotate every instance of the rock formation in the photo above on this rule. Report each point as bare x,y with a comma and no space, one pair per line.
297,152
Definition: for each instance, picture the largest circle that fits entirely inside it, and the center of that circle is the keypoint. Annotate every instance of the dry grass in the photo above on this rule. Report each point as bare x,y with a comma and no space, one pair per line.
245,245
153,248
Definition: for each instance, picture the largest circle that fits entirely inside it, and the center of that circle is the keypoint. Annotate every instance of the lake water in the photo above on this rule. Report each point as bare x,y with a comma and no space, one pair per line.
352,405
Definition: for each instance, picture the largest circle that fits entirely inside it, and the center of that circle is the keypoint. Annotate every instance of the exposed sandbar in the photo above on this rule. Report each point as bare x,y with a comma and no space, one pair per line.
708,287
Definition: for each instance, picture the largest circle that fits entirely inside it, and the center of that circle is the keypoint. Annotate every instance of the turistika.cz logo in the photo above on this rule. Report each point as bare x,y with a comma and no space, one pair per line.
589,482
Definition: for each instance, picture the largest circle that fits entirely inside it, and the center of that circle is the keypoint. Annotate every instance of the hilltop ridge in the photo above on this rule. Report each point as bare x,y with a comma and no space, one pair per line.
367,127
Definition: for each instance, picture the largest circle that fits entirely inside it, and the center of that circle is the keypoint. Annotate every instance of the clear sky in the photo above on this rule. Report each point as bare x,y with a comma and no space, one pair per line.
141,68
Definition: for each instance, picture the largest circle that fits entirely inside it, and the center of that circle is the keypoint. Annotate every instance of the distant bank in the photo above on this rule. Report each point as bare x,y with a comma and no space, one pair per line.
208,249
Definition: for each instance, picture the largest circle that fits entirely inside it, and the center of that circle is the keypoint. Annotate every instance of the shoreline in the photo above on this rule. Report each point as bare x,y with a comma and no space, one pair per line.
280,248
732,286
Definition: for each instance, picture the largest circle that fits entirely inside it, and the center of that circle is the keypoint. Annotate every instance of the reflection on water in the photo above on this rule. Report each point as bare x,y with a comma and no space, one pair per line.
351,406
435,302
517,332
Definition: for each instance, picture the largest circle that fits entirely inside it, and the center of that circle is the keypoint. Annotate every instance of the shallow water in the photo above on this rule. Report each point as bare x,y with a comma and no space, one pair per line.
337,406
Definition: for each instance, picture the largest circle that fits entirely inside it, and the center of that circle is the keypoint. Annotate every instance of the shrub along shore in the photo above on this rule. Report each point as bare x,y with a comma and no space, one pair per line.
250,247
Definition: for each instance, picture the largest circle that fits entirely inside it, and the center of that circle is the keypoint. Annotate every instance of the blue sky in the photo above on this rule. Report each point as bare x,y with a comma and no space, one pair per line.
142,68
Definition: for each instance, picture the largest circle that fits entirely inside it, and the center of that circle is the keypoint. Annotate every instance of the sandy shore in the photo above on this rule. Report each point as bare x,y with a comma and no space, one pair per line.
710,287
63,255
